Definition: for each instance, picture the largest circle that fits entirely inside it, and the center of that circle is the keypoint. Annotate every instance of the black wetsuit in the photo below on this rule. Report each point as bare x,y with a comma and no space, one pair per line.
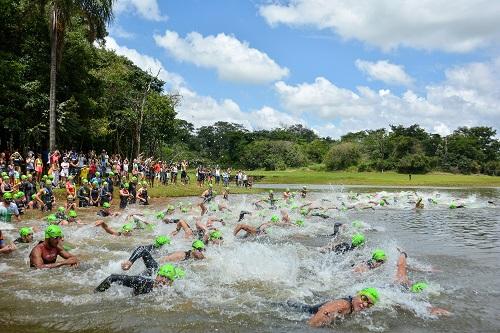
83,196
242,214
144,195
141,284
149,262
103,213
94,195
133,192
123,201
343,248
47,198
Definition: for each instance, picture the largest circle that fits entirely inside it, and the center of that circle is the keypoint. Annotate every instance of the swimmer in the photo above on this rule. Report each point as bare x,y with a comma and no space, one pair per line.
378,259
106,210
287,194
203,229
8,208
44,255
242,215
196,253
6,248
165,276
126,229
356,241
207,196
181,224
25,235
325,313
303,192
260,230
403,281
139,252
419,204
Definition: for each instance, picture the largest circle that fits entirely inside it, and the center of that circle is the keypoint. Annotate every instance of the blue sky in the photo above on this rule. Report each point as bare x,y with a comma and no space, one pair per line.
332,65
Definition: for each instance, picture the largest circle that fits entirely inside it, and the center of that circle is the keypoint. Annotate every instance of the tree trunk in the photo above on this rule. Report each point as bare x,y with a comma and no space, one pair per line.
53,73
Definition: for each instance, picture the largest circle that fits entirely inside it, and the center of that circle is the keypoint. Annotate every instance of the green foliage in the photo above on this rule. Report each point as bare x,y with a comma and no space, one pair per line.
414,163
342,156
273,155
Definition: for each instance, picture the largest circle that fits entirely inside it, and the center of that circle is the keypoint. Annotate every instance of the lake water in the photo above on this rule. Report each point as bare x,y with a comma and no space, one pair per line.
243,285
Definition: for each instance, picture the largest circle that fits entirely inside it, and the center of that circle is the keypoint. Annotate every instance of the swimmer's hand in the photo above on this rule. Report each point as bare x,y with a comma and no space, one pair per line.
126,265
72,261
99,223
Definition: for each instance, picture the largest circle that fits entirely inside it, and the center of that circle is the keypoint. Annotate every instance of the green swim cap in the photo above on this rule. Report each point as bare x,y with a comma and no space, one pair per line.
287,189
106,205
51,177
134,179
198,245
358,239
70,177
371,293
95,183
5,177
379,255
271,191
216,234
418,287
72,213
184,209
126,185
168,271
7,196
53,231
25,231
97,174
85,181
170,207
160,215
111,174
23,177
300,223
382,203
303,211
33,196
275,218
161,240
52,218
20,194
127,227
4,174
453,205
210,185
61,209
48,182
105,183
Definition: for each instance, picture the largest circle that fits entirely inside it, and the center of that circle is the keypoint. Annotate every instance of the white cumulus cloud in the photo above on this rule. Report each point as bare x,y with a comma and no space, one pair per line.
469,96
147,9
384,71
234,60
457,26
205,110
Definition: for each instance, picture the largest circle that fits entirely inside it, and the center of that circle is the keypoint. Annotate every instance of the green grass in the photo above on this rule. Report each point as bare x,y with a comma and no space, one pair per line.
305,176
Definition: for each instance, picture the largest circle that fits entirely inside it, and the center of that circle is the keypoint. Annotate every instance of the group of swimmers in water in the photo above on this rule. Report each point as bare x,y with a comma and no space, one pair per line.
163,271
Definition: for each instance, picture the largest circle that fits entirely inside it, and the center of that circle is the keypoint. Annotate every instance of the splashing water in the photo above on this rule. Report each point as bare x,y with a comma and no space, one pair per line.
245,283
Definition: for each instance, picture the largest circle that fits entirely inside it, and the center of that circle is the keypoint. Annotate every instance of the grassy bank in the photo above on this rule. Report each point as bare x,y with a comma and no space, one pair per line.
301,176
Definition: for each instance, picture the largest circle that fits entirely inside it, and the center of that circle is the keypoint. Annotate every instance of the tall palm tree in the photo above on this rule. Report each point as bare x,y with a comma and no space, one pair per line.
95,14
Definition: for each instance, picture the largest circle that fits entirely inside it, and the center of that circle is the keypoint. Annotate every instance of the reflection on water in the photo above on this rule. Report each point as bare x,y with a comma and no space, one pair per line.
243,284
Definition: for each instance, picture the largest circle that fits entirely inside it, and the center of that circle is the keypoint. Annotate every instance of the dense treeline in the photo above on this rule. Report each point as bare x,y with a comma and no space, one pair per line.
105,101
